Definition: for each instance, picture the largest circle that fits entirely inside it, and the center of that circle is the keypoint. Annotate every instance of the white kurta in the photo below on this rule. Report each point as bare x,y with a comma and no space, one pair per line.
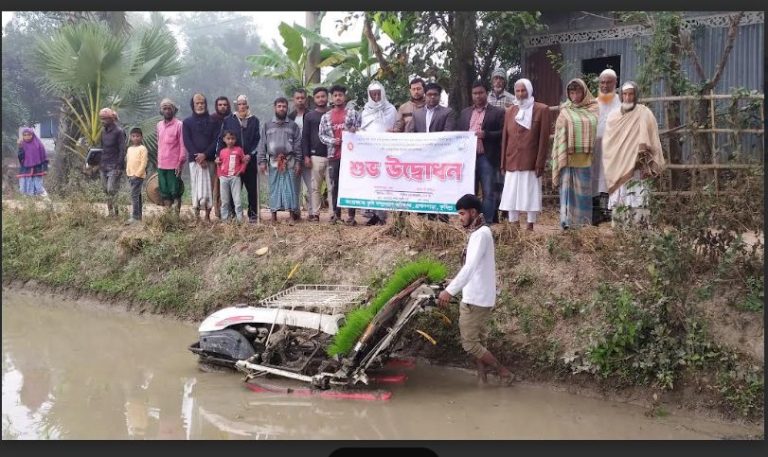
522,192
201,185
633,193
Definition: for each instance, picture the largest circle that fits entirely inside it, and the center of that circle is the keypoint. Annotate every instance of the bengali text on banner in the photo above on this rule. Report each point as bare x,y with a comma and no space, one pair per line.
419,172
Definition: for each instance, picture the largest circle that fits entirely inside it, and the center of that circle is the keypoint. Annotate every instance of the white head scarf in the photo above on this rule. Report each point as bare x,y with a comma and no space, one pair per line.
525,113
378,116
242,98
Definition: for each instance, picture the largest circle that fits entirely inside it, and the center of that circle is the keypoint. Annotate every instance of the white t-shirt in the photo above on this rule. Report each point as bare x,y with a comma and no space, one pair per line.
477,278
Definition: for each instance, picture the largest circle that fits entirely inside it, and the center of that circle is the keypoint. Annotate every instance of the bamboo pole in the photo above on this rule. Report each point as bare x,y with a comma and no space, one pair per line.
678,98
687,130
711,166
713,96
762,118
714,140
687,193
663,193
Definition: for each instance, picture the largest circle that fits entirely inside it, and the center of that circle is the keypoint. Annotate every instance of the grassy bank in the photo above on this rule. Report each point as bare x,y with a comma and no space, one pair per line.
658,310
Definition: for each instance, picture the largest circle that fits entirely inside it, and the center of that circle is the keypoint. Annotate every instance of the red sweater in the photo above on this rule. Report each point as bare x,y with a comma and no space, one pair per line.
231,162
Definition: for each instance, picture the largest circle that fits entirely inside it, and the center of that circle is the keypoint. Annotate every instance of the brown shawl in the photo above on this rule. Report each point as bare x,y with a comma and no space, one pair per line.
631,142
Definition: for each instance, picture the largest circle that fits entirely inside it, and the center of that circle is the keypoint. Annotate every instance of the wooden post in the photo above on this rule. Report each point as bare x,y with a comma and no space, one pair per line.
311,19
714,138
762,123
694,153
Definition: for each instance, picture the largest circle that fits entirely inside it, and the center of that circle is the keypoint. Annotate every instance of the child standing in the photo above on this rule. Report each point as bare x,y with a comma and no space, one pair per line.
230,166
33,164
136,170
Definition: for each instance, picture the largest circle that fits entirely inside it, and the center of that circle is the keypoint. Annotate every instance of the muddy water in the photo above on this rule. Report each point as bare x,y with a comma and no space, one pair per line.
76,370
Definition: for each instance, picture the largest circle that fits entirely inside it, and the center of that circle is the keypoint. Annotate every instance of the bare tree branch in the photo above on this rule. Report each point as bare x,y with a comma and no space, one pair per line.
597,15
495,42
732,32
373,44
687,43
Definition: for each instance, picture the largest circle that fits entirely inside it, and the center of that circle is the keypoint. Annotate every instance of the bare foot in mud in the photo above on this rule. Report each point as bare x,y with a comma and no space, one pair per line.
482,377
506,378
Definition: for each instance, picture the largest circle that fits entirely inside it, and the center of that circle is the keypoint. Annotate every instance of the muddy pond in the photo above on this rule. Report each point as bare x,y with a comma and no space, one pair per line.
78,370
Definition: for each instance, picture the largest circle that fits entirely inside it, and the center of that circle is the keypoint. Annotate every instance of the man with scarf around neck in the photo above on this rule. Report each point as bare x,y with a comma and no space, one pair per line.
221,111
487,122
114,145
247,133
417,88
378,116
200,132
340,118
524,146
632,155
305,176
315,152
608,102
575,131
477,282
170,155
280,153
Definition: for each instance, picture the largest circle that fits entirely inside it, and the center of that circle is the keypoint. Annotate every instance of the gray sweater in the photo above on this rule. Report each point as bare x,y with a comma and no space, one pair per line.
279,137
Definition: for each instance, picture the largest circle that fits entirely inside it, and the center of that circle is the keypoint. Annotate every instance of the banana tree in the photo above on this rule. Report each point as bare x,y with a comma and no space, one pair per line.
290,66
88,67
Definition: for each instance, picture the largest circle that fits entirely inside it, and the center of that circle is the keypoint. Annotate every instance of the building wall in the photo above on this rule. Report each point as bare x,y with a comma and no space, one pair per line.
745,68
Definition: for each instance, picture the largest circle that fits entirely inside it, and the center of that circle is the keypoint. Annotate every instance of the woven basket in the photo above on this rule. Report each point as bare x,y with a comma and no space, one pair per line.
153,189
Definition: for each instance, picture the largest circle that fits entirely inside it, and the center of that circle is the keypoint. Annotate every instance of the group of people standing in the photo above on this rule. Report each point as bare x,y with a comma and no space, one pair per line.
604,150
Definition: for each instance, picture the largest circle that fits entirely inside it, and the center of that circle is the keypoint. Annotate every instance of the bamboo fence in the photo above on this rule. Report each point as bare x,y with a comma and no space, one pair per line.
697,165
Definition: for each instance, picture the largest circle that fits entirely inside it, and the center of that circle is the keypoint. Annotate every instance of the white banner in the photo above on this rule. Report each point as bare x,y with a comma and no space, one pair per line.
420,172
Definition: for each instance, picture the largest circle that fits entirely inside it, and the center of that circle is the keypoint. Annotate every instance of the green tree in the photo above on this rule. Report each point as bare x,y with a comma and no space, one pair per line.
15,113
474,44
290,67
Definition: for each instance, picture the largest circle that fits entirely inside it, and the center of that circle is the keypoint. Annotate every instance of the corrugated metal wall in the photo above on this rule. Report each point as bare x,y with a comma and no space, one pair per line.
745,68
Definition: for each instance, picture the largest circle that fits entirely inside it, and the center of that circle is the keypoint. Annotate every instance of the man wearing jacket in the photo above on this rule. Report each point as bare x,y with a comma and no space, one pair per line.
525,148
305,175
246,127
487,121
433,118
200,132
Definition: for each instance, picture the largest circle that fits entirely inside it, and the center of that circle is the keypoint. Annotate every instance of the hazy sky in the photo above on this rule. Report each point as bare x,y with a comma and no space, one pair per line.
266,23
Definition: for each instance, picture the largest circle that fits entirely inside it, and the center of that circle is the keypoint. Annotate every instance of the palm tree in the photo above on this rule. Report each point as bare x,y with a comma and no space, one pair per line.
89,67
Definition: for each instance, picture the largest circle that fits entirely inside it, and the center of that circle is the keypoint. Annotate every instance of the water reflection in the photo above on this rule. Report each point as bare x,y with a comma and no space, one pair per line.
74,371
